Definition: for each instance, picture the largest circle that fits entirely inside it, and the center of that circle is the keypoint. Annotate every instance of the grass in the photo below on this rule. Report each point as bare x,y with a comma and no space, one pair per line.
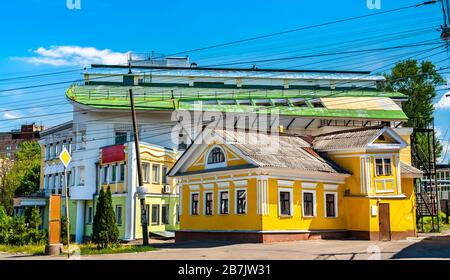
34,249
91,249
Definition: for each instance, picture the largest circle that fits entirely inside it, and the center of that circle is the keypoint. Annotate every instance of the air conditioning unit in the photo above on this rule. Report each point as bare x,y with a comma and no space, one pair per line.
167,189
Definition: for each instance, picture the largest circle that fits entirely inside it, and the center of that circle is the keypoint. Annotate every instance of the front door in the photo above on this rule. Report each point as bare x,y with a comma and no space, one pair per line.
385,225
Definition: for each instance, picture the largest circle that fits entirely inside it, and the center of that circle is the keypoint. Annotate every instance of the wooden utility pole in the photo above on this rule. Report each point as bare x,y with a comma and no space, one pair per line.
139,172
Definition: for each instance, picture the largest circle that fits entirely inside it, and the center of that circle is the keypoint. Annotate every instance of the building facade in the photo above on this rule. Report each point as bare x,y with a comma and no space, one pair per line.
333,185
10,141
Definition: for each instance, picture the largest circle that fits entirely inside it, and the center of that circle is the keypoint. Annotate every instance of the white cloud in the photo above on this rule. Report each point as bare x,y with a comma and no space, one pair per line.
74,55
444,102
11,116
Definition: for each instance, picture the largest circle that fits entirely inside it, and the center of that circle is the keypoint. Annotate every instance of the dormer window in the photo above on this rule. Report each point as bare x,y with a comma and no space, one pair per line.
216,156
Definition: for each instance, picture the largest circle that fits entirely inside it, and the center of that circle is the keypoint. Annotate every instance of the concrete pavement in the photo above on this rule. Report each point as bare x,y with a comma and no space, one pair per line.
424,247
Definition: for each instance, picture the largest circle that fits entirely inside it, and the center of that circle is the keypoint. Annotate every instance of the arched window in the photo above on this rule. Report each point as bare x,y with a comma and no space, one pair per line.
216,156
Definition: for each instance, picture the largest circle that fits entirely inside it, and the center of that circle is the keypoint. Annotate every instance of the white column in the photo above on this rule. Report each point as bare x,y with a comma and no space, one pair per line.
130,181
80,221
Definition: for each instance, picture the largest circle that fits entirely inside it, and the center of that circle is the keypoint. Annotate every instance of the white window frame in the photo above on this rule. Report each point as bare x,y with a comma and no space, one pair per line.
158,173
335,204
145,175
79,177
204,202
236,201
113,168
190,203
314,203
219,164
291,201
121,172
90,215
219,198
383,164
105,176
121,214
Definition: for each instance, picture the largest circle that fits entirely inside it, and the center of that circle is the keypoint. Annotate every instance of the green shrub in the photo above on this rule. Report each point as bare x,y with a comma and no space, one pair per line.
14,231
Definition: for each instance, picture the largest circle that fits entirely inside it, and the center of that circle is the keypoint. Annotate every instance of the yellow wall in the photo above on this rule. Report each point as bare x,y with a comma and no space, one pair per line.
248,221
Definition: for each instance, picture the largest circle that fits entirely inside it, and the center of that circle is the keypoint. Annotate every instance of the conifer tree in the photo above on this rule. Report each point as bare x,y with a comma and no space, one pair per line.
104,230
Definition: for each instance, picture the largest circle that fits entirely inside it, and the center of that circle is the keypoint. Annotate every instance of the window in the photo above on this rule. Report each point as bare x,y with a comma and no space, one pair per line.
105,175
51,182
285,203
241,201
145,169
57,149
113,173
72,177
53,153
147,209
383,167
81,176
120,138
46,182
330,205
177,209
224,202
119,215
209,203
165,214
122,172
155,174
164,175
57,181
194,204
155,214
387,167
308,204
89,217
47,152
216,156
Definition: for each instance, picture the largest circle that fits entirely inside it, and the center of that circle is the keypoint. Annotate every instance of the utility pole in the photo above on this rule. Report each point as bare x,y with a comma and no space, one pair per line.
141,189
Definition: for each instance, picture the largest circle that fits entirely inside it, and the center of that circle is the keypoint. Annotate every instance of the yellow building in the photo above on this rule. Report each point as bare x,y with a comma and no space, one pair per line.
255,187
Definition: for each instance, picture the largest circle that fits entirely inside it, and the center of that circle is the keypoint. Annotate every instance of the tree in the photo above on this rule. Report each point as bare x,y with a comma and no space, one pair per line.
104,229
22,176
418,82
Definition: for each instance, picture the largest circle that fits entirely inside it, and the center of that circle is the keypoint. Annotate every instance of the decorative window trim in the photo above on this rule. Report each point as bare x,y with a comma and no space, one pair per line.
208,186
240,183
190,203
330,187
236,200
219,164
223,184
336,207
383,157
204,203
285,183
219,199
307,185
314,203
291,202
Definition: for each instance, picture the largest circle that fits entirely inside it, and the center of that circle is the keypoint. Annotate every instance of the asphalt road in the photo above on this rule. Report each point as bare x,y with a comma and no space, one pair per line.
424,247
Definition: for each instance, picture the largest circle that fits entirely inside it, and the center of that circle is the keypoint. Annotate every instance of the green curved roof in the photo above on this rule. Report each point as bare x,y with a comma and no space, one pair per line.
245,100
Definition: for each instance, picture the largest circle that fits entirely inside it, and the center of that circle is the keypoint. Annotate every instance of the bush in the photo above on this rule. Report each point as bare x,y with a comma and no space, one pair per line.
14,231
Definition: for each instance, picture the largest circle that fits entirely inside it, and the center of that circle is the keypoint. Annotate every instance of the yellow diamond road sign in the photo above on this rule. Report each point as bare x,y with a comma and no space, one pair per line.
65,157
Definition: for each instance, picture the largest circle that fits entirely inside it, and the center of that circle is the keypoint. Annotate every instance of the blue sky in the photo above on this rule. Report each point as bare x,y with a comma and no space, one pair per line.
46,36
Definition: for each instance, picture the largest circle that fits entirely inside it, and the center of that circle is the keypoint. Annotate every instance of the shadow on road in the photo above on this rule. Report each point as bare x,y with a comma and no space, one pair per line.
193,244
430,247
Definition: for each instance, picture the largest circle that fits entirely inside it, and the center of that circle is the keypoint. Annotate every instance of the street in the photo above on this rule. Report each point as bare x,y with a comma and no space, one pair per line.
426,246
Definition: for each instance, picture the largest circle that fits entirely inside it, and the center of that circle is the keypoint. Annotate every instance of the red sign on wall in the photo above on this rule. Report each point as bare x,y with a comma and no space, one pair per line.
113,154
